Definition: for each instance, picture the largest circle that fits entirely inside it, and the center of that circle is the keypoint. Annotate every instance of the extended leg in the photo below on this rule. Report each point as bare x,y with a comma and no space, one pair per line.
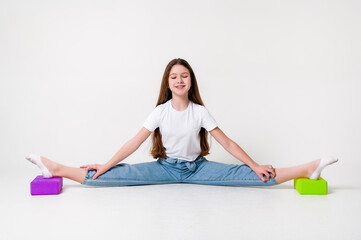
75,174
216,173
310,170
119,175
304,170
52,169
125,174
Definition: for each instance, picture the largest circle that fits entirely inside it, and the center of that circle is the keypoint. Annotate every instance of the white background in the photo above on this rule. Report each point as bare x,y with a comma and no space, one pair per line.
79,78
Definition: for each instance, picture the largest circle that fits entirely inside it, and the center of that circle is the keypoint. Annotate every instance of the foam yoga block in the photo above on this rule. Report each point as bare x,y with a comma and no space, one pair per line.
46,186
309,186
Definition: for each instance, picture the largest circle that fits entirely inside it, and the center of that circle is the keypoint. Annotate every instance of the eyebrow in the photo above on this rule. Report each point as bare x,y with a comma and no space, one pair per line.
181,73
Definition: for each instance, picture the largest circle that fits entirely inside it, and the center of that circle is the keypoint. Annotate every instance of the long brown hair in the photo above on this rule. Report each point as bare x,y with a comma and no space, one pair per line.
165,94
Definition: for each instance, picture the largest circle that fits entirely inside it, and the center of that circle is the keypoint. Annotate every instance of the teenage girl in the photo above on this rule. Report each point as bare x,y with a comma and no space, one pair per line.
180,124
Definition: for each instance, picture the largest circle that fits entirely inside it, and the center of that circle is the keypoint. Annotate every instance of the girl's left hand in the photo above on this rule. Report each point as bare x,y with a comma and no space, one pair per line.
262,170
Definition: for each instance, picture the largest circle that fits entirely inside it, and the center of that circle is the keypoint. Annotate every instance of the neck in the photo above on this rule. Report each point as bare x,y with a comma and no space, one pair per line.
180,103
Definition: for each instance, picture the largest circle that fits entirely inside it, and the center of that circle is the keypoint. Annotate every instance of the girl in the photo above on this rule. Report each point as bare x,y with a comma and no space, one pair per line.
180,124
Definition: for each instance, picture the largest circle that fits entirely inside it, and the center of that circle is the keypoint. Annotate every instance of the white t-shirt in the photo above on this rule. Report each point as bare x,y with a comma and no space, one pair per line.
180,129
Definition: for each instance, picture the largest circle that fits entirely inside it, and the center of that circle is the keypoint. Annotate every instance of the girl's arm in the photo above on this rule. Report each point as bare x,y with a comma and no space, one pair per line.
127,149
234,149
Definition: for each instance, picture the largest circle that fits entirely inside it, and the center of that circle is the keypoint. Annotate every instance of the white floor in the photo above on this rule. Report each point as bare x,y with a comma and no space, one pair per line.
177,211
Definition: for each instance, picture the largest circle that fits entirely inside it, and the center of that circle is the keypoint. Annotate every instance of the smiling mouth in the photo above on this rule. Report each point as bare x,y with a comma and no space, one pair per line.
180,87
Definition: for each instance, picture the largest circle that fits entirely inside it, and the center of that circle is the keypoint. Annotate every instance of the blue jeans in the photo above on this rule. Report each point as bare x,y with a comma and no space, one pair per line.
173,170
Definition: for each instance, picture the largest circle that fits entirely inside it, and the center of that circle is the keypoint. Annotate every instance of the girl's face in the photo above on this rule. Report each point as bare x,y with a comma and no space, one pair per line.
179,80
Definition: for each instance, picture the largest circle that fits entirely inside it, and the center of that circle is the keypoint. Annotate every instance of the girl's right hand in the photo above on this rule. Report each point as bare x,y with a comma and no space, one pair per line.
101,168
264,170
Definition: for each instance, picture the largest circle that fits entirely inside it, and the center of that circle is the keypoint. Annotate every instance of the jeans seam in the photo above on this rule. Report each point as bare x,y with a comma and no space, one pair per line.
243,180
130,180
88,181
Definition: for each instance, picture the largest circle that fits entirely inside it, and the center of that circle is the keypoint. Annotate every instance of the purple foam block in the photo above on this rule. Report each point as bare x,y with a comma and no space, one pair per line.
46,186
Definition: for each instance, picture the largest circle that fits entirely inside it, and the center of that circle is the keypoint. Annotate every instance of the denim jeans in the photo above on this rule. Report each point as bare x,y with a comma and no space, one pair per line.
173,170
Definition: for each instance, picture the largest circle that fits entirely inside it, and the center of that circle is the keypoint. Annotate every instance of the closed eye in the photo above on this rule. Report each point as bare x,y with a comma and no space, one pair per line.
184,76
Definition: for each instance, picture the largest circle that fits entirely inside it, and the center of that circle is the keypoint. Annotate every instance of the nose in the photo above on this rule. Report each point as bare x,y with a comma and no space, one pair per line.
179,80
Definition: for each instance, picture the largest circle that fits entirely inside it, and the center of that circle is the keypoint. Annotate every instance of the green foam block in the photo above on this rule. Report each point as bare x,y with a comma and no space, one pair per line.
309,186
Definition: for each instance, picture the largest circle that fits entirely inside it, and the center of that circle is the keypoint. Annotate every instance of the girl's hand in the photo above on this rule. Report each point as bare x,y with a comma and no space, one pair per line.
261,170
101,168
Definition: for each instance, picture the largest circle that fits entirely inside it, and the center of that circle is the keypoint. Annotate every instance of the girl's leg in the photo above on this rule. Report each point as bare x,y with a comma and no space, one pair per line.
216,173
120,175
58,170
75,174
125,174
310,170
304,170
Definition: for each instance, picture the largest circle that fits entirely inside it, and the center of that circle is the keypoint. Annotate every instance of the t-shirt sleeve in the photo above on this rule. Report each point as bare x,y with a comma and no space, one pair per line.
152,122
208,121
